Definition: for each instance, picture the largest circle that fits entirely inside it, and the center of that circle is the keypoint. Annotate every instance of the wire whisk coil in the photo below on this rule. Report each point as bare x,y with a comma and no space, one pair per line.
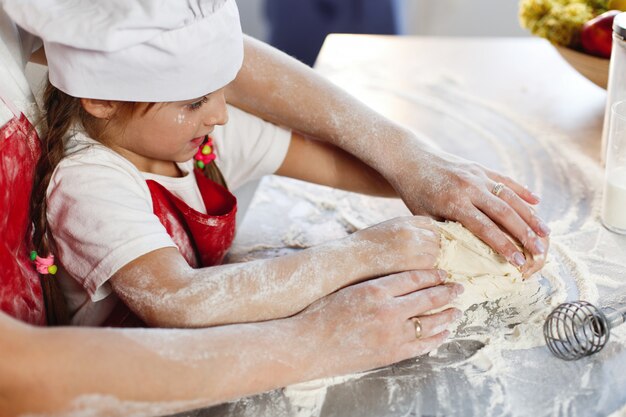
575,330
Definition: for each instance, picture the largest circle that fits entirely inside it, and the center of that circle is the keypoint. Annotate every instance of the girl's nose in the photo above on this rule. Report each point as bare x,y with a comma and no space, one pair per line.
217,113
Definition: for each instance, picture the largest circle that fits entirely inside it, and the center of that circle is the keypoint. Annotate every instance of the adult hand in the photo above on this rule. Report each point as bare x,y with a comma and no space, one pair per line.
369,325
429,181
449,187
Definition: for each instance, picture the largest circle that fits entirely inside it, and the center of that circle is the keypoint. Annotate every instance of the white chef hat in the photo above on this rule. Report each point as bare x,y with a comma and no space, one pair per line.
135,50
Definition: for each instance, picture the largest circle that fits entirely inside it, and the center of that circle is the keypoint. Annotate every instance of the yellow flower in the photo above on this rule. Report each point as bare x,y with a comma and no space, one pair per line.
559,21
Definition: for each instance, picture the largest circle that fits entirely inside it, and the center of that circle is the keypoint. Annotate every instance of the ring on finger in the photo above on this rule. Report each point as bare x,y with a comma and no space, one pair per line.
418,327
497,189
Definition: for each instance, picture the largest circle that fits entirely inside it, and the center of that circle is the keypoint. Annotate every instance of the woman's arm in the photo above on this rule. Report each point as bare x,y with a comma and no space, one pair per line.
39,57
162,289
158,371
322,163
278,88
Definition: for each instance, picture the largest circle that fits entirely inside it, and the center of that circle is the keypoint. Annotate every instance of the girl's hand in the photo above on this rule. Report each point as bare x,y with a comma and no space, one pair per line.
455,189
400,244
369,325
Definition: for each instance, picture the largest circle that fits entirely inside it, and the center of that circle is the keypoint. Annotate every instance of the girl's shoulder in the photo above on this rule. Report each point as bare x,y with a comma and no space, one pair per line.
82,149
89,163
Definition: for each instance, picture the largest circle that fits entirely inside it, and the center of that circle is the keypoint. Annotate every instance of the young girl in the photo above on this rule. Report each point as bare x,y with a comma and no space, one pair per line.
129,196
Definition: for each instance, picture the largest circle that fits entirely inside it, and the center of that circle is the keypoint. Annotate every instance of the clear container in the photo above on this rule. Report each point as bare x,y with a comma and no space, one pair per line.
616,87
614,196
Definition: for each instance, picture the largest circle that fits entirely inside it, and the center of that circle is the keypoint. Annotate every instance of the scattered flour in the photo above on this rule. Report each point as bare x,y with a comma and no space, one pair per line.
109,406
504,316
499,340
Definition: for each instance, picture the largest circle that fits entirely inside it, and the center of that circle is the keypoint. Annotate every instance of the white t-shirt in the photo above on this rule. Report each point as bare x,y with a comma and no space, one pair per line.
100,209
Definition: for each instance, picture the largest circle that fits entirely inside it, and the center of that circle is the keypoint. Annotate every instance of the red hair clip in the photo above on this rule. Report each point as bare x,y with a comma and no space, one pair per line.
205,154
44,265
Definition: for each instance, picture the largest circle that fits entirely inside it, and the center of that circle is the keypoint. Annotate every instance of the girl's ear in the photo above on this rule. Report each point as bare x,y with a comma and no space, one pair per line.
101,109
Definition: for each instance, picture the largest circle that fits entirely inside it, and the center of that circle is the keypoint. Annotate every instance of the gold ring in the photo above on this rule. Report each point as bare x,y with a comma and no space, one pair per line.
418,327
497,189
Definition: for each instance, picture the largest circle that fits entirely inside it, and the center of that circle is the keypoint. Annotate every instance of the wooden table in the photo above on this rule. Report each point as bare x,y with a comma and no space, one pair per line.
513,105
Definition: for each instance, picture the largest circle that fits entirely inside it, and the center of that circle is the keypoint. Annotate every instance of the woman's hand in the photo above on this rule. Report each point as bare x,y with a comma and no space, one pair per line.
369,325
449,187
400,244
429,181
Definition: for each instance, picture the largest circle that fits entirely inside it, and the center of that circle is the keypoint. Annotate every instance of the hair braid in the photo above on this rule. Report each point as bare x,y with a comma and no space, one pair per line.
61,112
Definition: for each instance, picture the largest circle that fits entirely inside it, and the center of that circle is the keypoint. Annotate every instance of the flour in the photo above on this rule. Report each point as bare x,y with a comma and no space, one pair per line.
619,413
504,314
499,340
307,398
109,406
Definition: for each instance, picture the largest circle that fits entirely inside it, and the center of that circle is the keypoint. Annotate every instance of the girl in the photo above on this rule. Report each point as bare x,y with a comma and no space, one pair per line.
125,205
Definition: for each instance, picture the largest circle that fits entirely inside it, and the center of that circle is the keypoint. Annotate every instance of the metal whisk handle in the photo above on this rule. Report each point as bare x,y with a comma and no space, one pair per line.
578,329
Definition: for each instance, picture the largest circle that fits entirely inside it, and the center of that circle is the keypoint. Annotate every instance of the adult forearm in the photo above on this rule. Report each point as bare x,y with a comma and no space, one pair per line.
278,88
151,371
325,164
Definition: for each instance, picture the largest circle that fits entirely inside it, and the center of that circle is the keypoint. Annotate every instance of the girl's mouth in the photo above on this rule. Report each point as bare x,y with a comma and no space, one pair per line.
197,141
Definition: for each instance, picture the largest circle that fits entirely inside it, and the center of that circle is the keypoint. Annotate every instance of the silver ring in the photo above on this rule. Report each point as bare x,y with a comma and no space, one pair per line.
497,189
418,327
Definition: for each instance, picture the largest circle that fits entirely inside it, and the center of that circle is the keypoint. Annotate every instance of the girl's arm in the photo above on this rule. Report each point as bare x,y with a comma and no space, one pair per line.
325,164
158,371
162,289
280,89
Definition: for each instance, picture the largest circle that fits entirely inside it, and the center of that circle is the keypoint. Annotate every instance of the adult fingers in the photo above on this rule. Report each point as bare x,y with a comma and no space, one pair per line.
536,262
482,226
500,209
523,192
525,212
419,302
411,281
430,325
421,346
512,196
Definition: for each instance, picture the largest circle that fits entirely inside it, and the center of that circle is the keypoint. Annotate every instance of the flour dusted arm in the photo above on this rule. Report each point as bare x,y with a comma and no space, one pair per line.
284,91
164,291
66,370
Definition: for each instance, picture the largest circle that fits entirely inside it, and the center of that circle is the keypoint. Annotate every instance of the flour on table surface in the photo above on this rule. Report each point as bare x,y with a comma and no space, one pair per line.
495,362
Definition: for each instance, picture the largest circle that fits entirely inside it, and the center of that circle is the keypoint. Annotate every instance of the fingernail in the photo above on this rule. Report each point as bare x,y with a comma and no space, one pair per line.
458,314
540,247
443,274
459,289
518,259
535,196
544,228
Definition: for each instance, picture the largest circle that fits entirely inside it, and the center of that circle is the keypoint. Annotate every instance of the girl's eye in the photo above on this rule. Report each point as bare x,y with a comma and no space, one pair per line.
197,104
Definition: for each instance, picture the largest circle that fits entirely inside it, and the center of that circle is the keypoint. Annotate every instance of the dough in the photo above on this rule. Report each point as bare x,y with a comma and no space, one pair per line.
498,305
464,255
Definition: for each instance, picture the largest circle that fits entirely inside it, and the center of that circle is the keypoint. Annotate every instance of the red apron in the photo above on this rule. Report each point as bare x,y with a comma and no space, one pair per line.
20,288
203,239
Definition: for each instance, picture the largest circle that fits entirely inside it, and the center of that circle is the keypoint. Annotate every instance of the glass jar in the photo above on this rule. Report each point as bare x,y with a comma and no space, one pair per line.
616,88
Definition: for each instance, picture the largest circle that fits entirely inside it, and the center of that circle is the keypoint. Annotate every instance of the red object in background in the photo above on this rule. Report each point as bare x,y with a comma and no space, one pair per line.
20,288
596,36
